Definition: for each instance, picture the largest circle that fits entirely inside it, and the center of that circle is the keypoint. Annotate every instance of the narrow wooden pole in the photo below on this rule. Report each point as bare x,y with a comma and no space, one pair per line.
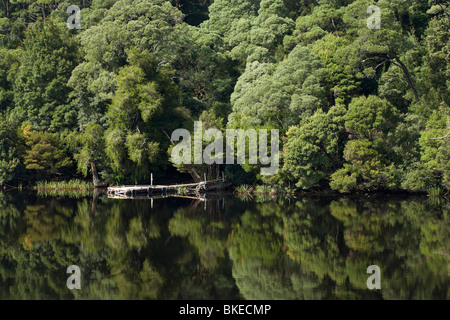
223,176
151,178
205,177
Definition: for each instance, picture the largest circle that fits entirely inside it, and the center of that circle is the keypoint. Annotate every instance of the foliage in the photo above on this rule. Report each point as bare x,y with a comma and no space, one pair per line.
49,54
45,152
278,96
9,158
70,189
312,149
358,108
244,189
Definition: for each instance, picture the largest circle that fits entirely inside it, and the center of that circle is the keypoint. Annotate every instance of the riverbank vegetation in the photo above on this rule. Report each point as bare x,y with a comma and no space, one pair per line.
358,109
71,189
64,185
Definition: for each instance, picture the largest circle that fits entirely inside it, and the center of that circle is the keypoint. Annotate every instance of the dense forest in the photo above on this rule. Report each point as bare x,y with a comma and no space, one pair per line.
358,108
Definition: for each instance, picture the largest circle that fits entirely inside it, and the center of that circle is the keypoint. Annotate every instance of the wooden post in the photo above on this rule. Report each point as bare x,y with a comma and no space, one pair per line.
151,178
205,177
223,176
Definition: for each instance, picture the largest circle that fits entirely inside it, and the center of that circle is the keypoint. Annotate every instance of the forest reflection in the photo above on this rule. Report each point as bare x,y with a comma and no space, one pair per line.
223,248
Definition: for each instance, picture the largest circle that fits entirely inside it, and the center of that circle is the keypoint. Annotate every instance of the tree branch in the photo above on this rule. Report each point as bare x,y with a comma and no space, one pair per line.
444,137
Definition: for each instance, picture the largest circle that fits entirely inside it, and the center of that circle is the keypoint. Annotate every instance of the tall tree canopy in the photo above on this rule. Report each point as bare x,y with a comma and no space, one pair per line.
358,107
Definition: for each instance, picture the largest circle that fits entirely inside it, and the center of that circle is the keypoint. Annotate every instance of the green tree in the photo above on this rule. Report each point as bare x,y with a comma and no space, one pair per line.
370,118
40,88
8,66
373,48
9,157
143,109
45,152
312,150
89,150
278,96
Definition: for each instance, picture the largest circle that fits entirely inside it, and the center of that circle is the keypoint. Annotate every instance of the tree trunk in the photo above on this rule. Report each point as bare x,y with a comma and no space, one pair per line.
409,78
7,8
190,167
194,173
95,179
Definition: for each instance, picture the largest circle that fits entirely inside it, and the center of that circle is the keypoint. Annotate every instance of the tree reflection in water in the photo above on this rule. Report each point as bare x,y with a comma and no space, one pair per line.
313,248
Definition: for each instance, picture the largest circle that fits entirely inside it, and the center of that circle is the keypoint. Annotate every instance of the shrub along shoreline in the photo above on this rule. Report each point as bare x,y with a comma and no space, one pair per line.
64,185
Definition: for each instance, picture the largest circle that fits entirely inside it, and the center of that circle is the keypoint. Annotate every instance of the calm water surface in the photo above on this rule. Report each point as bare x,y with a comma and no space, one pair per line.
224,248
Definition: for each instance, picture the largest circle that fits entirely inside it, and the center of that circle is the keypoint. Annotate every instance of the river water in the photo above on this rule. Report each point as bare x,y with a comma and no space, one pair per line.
224,247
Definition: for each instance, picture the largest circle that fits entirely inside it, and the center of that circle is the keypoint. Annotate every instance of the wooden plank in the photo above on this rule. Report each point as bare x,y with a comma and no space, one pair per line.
189,197
159,187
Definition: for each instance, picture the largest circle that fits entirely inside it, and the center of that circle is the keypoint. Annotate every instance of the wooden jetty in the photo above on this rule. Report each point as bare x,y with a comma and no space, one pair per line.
127,192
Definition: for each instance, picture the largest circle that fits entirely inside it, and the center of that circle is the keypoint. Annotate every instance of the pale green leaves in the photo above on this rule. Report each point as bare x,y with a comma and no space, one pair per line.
90,146
249,25
146,24
115,139
135,97
281,96
139,148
